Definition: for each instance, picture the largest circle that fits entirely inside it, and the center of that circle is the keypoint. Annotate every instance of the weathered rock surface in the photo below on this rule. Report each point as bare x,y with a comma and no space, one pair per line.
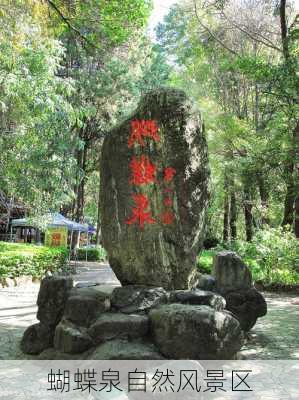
52,297
206,282
53,354
230,272
198,297
137,299
163,252
195,332
117,325
37,338
69,338
202,281
247,305
125,350
84,305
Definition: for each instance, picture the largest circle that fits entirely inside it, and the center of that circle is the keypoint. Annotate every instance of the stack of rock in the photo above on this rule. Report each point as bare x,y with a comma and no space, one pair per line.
134,321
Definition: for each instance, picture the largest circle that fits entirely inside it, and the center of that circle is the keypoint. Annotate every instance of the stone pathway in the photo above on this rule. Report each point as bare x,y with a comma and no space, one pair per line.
18,305
275,336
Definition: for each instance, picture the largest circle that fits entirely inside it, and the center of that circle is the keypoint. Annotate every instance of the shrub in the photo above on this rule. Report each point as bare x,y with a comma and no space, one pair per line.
272,256
210,242
91,254
205,261
26,259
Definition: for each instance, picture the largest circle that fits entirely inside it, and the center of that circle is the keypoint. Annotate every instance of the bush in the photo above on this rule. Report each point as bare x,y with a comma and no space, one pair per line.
210,242
205,261
272,256
91,254
25,259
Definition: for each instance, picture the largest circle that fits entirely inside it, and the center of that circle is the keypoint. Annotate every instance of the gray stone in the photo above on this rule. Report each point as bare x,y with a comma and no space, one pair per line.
117,325
85,305
247,305
125,350
85,284
71,339
206,282
230,272
51,300
53,354
134,299
37,338
195,332
162,253
198,297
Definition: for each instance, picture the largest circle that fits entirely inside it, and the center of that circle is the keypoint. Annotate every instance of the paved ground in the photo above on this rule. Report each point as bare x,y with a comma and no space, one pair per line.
274,337
18,305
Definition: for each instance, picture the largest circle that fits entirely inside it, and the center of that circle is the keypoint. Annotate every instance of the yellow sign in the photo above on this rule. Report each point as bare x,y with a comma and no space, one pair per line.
56,237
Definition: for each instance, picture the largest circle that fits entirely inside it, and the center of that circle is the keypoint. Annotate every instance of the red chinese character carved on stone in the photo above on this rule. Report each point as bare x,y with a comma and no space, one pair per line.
167,217
169,173
140,215
167,202
142,171
141,129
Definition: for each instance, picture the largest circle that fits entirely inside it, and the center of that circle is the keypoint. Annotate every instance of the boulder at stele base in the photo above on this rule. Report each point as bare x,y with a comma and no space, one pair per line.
247,305
234,281
137,299
52,296
183,331
230,272
154,191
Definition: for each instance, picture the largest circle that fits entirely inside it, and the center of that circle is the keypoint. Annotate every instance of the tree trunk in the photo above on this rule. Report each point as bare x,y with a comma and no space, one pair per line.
291,168
284,29
98,232
226,212
264,195
248,214
81,185
296,226
233,215
291,171
76,186
289,202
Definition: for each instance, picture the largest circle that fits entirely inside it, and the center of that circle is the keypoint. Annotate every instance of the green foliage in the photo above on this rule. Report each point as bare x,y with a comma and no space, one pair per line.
248,95
36,116
272,256
24,259
62,88
205,261
92,254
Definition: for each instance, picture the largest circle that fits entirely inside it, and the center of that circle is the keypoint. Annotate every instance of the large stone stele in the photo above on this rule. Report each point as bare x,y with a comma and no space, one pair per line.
159,254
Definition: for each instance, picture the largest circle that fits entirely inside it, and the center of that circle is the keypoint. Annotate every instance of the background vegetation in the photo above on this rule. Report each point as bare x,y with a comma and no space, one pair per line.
29,260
